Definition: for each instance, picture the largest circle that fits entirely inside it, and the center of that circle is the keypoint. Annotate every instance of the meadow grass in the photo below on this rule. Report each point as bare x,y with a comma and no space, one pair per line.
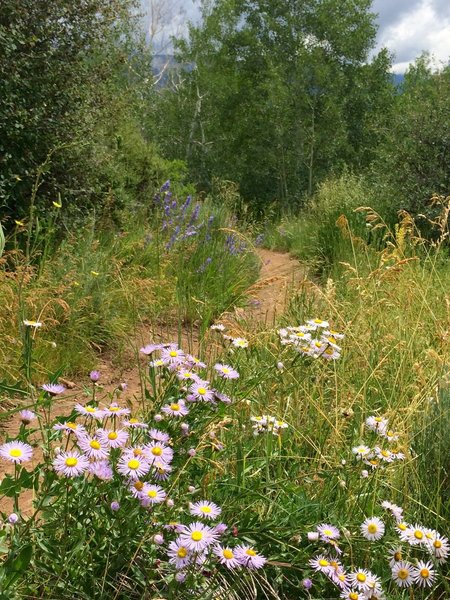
101,285
275,483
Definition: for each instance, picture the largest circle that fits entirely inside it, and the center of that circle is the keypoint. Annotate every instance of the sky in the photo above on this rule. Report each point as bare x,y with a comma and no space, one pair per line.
405,27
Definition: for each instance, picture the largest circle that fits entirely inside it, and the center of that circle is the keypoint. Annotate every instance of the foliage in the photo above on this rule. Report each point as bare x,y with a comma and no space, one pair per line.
413,162
276,95
276,487
103,282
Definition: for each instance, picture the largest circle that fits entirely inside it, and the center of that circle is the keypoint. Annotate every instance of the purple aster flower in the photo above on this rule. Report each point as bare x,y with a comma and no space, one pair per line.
220,528
248,557
89,411
226,371
152,494
133,467
175,409
193,361
200,391
307,584
197,537
26,416
70,427
173,355
53,388
158,451
222,397
150,348
115,506
114,410
161,470
179,554
70,464
16,452
328,532
205,509
226,557
159,436
101,469
93,448
13,518
113,439
134,424
94,376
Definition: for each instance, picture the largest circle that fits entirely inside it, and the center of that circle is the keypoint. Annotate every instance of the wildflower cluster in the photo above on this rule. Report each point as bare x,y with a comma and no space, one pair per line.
323,344
180,221
267,423
376,456
236,342
406,570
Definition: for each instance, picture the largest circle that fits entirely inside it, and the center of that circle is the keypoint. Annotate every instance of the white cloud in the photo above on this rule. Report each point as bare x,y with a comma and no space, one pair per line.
425,27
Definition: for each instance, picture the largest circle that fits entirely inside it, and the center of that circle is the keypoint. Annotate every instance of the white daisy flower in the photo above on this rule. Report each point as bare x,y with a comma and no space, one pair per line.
152,494
395,556
134,468
439,548
362,452
240,342
403,573
372,529
424,574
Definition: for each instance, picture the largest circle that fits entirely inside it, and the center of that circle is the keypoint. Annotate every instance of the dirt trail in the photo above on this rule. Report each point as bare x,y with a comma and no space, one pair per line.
279,277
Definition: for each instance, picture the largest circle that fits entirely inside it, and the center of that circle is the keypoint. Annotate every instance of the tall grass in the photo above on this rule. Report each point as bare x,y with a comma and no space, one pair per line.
101,284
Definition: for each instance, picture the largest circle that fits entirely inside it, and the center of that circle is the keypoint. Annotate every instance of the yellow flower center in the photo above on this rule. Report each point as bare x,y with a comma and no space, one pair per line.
197,536
225,370
90,409
71,425
156,451
95,445
429,536
205,509
133,421
324,563
182,552
328,532
138,485
318,344
227,553
71,461
201,391
250,552
398,556
424,573
372,528
403,574
353,596
385,453
15,452
361,577
173,354
137,452
402,526
151,494
175,406
112,435
437,544
329,351
378,419
418,534
114,408
133,464
318,321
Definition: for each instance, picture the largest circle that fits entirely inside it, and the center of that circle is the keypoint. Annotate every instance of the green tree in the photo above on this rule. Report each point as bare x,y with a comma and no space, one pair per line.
59,68
277,94
414,159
